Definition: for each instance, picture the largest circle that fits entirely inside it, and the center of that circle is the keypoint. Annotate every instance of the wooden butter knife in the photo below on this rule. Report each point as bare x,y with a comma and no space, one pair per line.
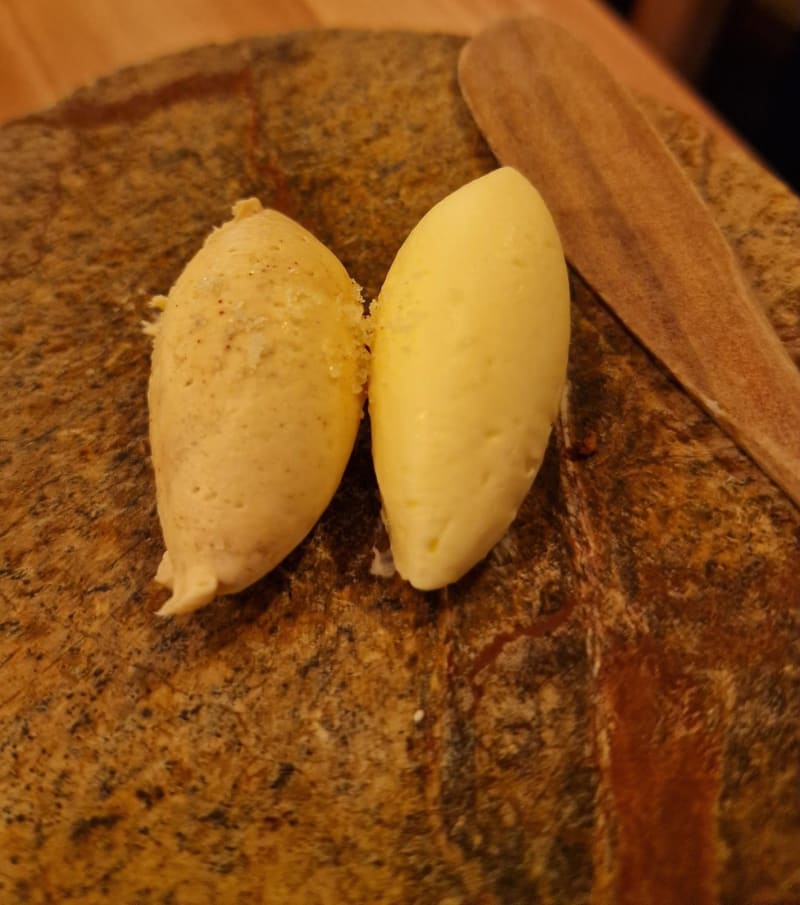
636,229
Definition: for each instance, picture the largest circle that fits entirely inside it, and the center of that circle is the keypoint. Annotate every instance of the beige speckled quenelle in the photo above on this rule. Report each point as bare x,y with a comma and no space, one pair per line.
255,398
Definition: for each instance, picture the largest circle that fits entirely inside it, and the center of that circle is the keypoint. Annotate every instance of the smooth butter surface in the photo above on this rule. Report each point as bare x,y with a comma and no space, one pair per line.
255,398
471,332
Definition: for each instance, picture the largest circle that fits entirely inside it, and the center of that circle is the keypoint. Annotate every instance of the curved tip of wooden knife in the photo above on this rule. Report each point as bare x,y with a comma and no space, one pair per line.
522,37
513,29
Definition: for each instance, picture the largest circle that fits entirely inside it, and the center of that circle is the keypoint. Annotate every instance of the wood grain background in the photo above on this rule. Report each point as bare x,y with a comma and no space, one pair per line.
49,47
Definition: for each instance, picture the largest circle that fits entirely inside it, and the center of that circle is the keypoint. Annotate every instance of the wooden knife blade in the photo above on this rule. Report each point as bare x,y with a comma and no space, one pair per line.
636,229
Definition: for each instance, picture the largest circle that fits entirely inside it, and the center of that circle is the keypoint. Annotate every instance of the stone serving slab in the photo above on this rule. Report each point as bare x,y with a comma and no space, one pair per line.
607,710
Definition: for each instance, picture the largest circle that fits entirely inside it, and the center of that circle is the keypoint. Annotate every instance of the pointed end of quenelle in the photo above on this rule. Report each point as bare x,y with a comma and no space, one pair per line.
191,590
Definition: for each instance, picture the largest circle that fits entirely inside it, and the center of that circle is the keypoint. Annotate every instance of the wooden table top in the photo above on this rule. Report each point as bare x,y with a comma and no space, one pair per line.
50,47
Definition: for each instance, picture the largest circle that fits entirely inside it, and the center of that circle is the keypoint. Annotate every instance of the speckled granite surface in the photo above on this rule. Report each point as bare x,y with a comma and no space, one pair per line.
607,711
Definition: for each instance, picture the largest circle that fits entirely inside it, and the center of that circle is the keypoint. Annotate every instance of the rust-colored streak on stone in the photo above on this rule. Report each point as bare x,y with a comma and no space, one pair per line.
264,167
84,111
281,197
664,771
486,656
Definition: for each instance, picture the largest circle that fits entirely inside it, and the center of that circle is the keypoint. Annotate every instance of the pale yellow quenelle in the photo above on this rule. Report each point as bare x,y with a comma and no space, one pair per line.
469,357
255,398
